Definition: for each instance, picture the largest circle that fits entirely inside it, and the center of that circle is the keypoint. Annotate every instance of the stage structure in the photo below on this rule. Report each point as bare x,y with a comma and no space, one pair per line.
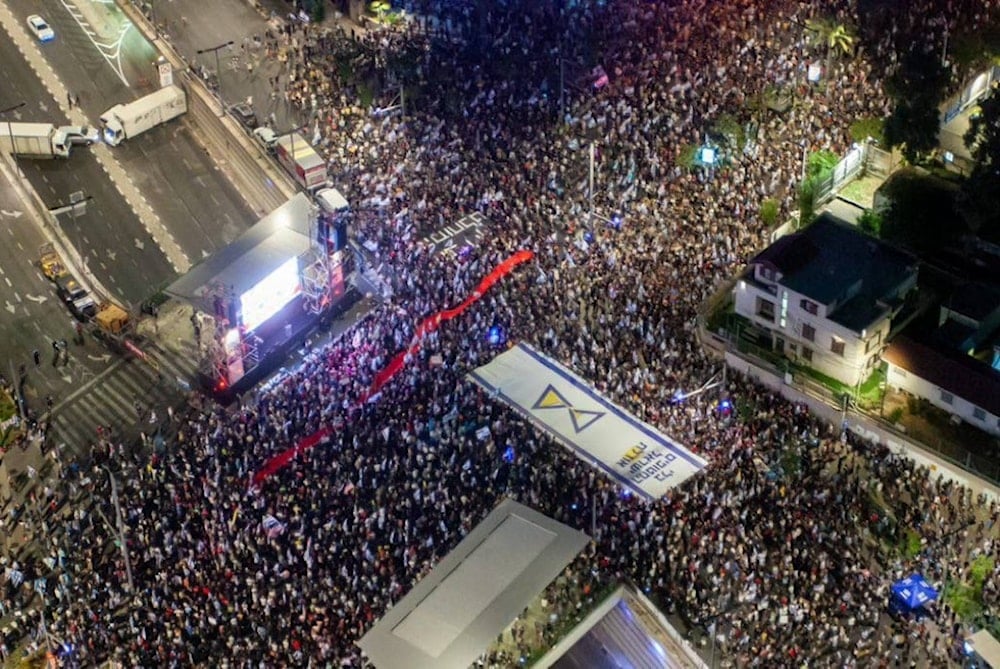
257,295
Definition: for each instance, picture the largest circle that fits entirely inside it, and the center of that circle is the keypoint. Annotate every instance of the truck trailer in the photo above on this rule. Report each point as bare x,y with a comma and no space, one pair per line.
123,122
301,160
34,140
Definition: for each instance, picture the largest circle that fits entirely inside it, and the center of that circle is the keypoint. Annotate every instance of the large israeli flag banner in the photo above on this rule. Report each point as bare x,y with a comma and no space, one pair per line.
634,453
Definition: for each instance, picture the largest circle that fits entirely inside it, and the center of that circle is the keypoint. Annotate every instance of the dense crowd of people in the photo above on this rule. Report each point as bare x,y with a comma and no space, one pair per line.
776,546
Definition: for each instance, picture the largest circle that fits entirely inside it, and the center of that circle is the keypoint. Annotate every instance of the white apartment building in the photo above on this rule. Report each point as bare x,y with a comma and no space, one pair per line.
825,297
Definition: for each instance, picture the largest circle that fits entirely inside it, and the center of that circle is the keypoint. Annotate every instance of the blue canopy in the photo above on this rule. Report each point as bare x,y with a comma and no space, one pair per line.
913,592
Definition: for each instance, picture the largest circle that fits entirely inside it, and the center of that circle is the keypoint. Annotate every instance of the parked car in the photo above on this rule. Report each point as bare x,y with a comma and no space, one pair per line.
243,113
265,137
75,296
81,134
41,29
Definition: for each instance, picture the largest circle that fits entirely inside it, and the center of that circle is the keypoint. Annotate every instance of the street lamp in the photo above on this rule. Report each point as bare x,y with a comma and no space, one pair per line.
10,133
77,205
591,135
218,69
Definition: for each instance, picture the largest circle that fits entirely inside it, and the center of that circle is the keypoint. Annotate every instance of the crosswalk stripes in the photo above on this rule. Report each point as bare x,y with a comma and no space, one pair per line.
116,396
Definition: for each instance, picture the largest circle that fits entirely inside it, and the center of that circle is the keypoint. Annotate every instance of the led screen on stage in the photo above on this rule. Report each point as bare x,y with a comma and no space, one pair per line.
271,294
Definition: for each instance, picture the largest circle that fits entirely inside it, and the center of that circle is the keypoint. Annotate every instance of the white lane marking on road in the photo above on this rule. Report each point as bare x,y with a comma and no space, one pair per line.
116,173
112,53
79,391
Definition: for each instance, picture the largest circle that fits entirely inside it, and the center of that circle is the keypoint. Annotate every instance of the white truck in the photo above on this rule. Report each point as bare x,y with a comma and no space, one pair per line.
301,160
34,140
123,122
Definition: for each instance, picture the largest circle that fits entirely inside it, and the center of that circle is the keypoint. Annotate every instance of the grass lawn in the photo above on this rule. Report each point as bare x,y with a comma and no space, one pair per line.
869,392
861,190
966,597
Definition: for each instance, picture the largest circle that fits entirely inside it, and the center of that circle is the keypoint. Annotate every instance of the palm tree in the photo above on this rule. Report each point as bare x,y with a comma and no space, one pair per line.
833,37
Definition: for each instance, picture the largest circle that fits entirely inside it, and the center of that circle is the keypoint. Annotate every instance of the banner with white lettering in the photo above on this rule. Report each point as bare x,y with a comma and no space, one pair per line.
634,453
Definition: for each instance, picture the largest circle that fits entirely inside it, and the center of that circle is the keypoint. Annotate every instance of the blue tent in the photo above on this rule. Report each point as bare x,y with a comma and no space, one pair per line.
913,592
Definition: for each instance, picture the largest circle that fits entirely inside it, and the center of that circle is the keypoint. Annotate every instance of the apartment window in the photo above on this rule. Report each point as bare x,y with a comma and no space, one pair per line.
837,346
808,332
807,354
947,397
978,414
809,307
765,309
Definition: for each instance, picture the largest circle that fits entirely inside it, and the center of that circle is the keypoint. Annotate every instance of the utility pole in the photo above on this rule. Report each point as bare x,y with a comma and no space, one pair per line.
10,134
77,205
121,530
78,201
218,70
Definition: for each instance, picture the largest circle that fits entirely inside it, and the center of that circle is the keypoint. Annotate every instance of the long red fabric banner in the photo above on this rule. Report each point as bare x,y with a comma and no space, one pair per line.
429,324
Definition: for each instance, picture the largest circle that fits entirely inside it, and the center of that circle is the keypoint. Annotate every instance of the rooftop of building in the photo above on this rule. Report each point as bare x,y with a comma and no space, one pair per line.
831,261
961,375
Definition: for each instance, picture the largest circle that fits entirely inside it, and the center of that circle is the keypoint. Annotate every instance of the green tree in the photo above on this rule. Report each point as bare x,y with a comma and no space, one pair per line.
913,127
317,10
688,156
769,211
820,164
871,222
807,202
867,127
979,200
727,128
918,86
923,213
834,38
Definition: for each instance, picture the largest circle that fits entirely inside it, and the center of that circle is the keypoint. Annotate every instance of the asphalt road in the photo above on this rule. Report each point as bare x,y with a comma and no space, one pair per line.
192,25
32,316
168,166
98,233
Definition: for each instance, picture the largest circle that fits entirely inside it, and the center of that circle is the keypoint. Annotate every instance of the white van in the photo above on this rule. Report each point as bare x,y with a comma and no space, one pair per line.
331,201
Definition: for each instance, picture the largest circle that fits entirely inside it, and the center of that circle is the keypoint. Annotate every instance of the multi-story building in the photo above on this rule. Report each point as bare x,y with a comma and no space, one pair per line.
825,297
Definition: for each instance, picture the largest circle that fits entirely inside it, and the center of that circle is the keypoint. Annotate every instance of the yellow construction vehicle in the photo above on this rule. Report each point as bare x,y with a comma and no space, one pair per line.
52,265
111,319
